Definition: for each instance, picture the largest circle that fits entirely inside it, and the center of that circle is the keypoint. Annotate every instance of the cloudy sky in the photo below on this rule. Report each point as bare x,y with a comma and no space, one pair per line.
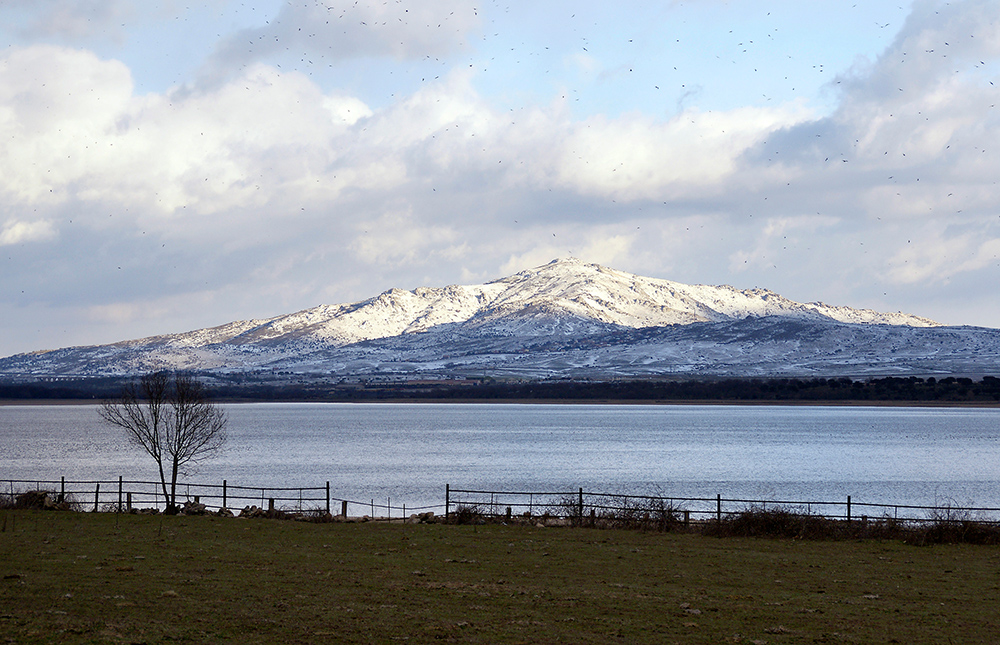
170,165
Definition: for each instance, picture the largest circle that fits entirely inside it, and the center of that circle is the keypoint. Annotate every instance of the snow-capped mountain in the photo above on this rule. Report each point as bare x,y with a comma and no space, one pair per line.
563,318
585,296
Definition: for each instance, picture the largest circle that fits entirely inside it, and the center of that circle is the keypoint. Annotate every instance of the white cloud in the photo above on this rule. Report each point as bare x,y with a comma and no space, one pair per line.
938,260
776,236
397,239
328,32
634,157
19,232
77,134
74,19
267,191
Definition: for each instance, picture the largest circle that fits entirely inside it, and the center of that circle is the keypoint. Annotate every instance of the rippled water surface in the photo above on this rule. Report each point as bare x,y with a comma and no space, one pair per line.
922,456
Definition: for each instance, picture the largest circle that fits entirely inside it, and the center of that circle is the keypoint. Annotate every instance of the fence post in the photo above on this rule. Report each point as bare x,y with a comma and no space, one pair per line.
97,496
718,508
119,494
270,504
848,508
343,508
224,491
62,489
327,498
447,500
129,507
580,514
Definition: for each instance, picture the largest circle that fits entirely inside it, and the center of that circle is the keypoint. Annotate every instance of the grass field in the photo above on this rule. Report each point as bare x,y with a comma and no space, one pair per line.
102,578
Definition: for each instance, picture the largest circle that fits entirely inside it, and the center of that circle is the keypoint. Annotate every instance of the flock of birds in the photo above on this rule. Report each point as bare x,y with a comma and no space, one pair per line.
314,38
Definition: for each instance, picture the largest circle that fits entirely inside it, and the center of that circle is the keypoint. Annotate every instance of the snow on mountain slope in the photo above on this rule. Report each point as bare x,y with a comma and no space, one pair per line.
566,303
568,287
621,298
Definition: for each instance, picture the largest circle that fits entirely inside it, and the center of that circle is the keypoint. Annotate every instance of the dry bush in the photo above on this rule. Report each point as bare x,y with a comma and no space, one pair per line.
954,532
468,514
777,522
645,513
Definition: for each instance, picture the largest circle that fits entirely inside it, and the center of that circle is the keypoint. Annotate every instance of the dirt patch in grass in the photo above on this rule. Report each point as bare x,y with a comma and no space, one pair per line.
104,578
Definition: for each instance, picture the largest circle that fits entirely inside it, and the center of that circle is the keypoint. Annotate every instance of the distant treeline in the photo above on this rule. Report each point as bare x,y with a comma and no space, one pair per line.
784,389
888,389
946,390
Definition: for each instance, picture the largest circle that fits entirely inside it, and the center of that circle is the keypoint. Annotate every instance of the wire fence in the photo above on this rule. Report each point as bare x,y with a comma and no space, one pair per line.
583,505
124,495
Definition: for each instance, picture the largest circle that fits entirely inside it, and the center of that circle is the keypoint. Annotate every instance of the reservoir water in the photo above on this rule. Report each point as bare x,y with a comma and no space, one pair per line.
893,455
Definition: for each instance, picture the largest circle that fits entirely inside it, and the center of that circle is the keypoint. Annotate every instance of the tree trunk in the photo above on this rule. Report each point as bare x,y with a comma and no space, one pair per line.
172,507
163,484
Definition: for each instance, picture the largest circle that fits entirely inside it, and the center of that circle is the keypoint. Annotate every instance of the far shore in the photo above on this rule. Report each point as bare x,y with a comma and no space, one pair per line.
656,402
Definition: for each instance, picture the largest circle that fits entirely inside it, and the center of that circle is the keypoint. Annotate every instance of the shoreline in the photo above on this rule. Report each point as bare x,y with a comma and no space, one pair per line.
581,402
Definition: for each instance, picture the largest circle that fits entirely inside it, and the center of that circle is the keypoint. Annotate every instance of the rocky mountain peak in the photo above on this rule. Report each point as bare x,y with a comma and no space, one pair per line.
567,302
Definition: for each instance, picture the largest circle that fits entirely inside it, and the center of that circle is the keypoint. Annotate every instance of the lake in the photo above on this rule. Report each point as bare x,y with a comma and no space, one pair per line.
409,452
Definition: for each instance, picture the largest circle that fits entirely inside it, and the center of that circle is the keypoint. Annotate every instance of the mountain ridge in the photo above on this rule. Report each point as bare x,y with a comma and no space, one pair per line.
567,317
465,302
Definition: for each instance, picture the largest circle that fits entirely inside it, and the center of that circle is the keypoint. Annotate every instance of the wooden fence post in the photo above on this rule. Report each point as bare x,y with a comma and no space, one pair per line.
343,508
270,504
129,507
225,491
62,489
97,496
447,501
119,510
327,498
848,508
718,508
580,514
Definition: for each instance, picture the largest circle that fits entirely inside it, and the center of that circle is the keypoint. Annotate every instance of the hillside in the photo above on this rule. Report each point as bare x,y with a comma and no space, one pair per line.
566,318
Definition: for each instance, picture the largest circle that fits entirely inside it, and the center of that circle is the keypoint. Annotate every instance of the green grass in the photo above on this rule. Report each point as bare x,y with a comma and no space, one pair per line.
103,578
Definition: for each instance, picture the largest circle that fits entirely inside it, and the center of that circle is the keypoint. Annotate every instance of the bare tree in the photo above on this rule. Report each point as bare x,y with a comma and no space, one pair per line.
170,418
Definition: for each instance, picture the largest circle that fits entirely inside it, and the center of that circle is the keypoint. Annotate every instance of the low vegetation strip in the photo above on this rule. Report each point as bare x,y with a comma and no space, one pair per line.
115,578
948,391
944,527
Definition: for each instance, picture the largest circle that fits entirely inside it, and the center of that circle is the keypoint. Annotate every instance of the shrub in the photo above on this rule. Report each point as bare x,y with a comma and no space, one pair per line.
778,522
946,531
468,514
645,513
317,515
